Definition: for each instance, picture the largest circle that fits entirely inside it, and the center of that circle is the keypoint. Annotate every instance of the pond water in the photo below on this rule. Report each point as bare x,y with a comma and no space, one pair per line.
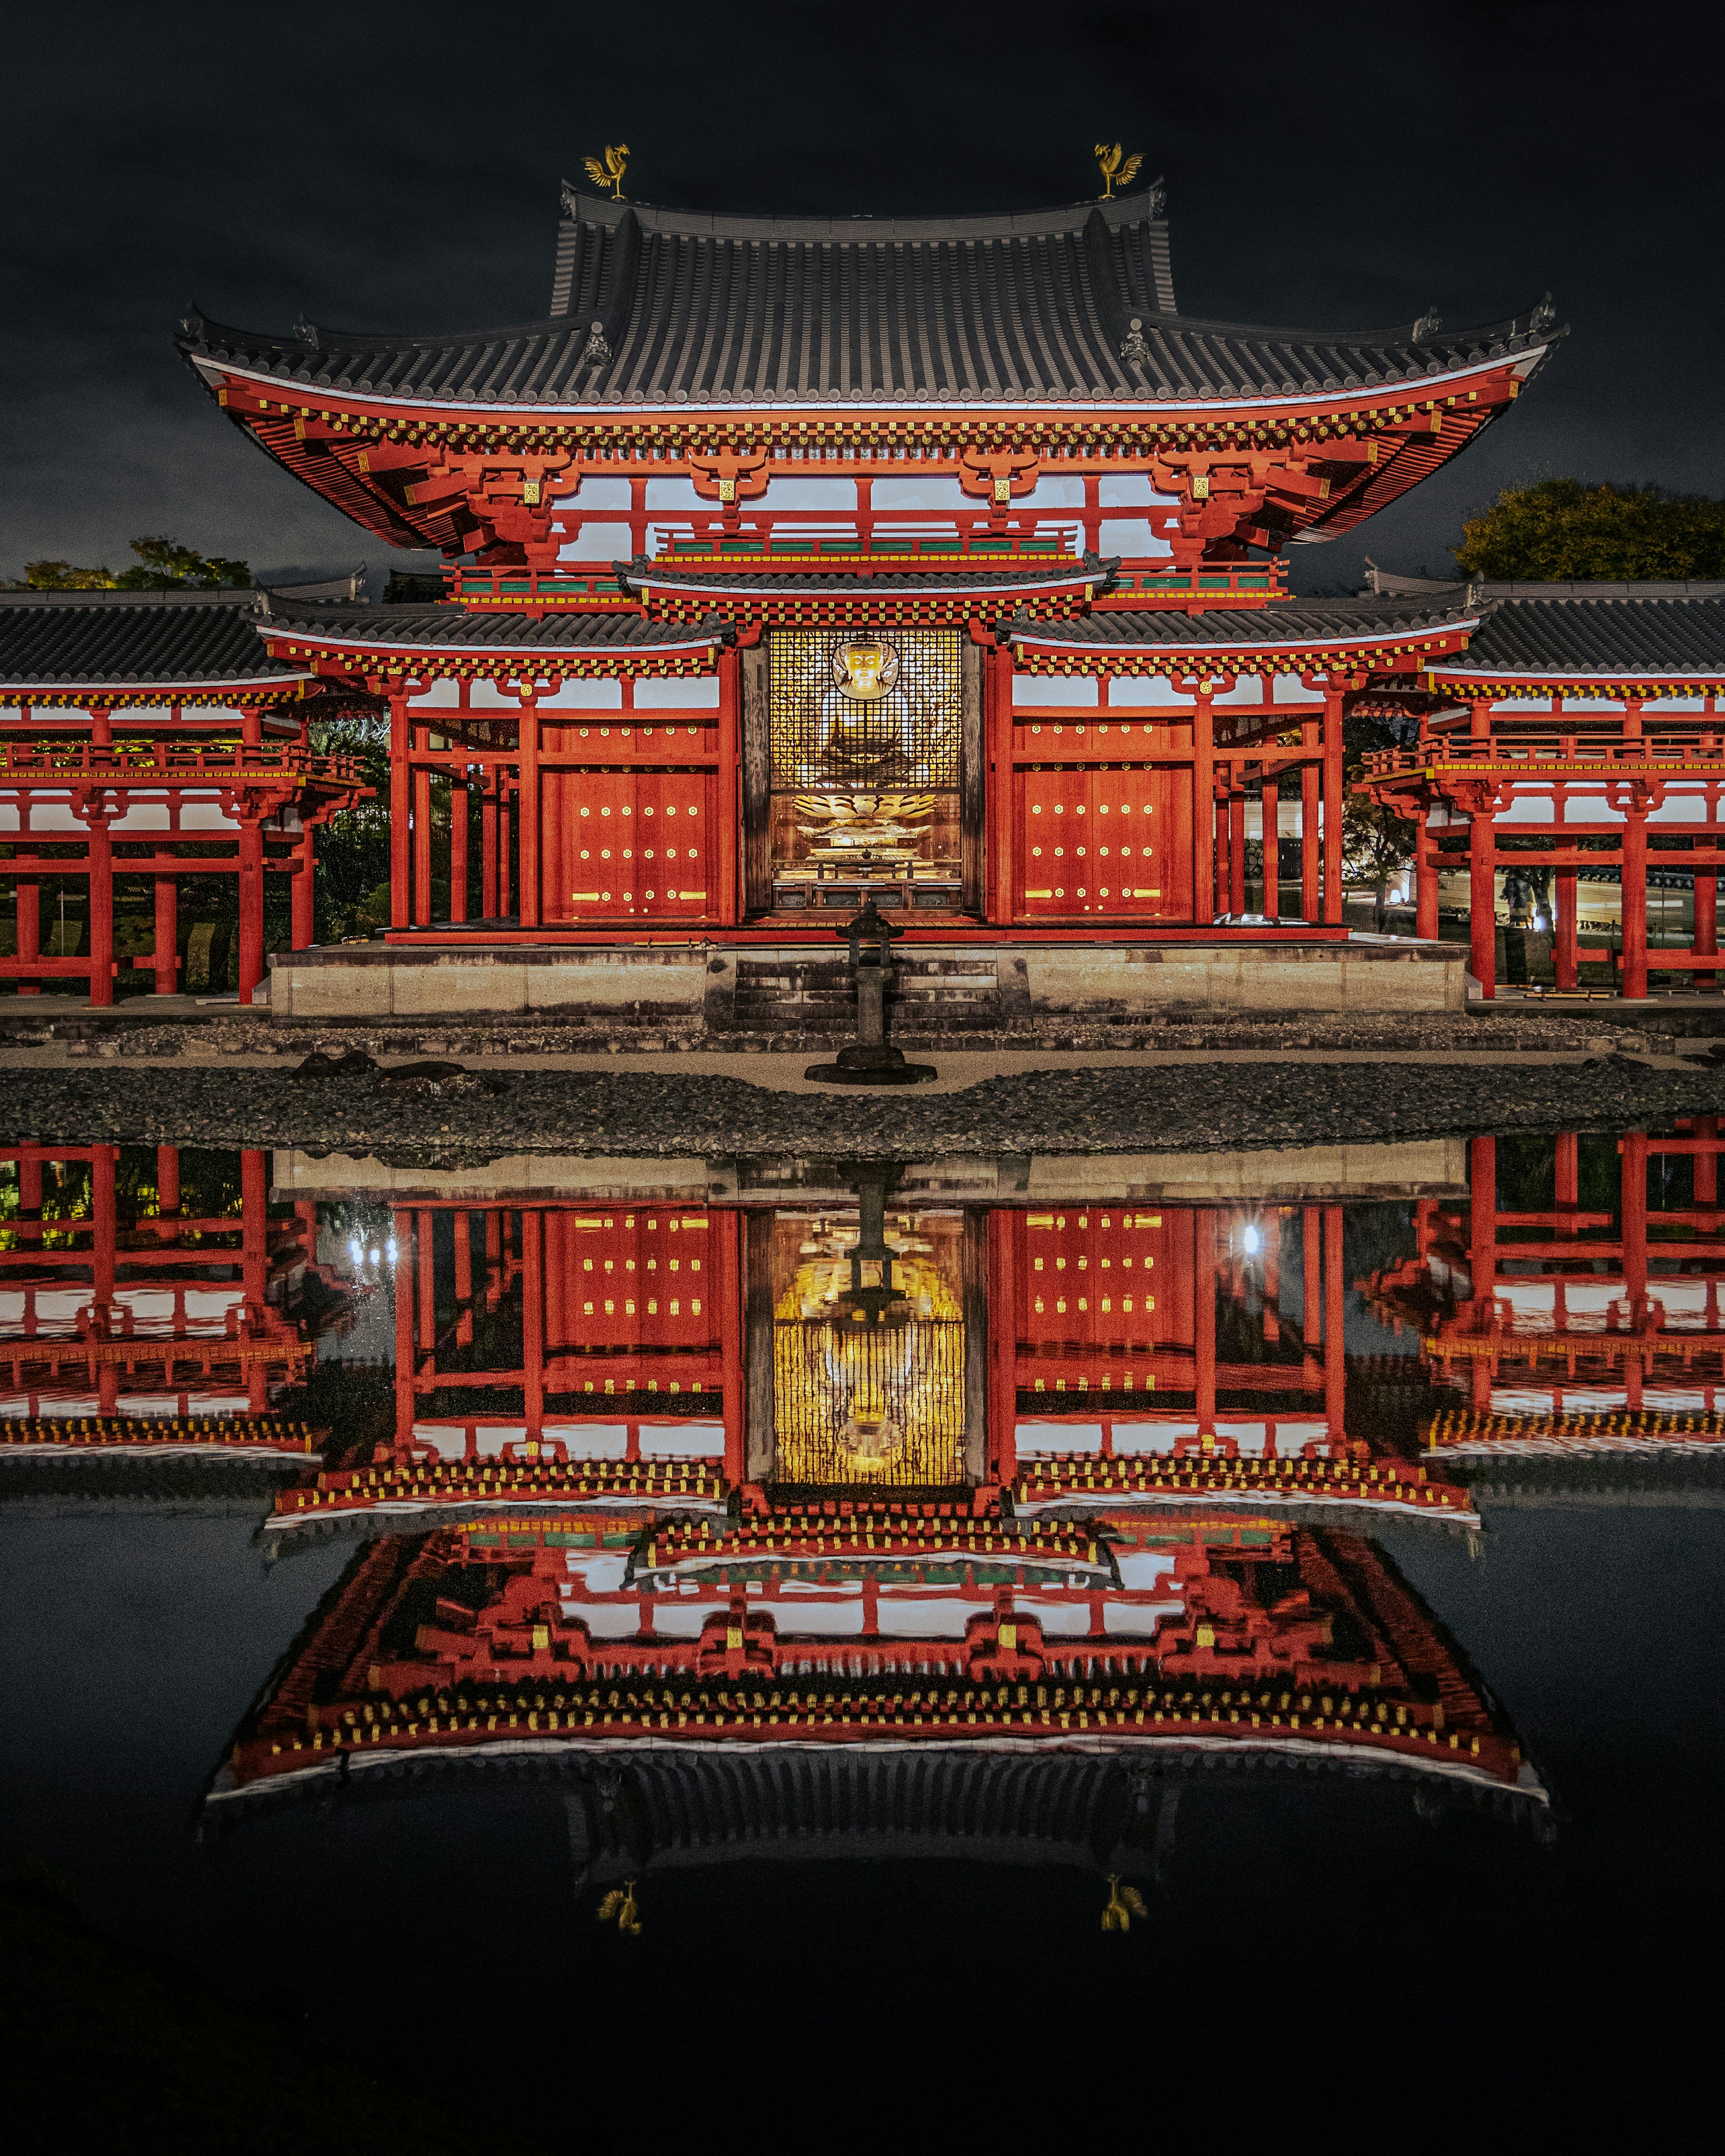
993,1645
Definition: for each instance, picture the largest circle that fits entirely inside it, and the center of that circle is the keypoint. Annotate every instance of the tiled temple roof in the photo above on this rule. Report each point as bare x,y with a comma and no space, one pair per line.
127,640
418,627
1312,621
1600,634
655,305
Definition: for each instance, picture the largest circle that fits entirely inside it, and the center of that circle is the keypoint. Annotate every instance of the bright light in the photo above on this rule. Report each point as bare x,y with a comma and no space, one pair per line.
355,1249
389,1250
1251,1239
375,1255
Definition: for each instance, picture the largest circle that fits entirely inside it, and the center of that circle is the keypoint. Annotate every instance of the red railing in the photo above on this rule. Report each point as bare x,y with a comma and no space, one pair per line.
1675,747
160,763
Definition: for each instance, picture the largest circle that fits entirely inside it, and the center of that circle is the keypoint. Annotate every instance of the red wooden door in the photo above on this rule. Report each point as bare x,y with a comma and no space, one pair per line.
1054,856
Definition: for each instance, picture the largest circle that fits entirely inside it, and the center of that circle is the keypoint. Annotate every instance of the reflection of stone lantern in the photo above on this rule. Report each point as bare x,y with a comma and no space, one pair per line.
870,1060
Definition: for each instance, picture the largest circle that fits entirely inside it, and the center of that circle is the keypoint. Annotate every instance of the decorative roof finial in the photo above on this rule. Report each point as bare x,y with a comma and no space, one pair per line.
1134,350
1542,318
609,174
596,353
307,332
1428,326
1116,168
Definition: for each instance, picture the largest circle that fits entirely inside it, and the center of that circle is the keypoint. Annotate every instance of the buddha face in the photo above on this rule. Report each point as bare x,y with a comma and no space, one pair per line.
865,670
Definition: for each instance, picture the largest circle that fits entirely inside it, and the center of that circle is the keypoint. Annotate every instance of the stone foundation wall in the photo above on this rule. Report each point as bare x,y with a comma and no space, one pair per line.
952,990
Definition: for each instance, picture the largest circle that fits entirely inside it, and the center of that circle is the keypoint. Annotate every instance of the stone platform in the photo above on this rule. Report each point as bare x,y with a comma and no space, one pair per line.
712,988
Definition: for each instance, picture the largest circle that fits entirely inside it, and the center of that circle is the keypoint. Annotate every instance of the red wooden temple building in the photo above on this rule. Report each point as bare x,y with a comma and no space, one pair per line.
790,560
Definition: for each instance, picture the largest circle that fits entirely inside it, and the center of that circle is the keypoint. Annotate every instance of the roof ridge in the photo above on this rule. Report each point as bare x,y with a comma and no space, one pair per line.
1146,205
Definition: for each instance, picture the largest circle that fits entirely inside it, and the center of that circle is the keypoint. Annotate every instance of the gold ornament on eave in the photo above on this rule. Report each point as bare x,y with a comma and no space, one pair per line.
1123,1904
609,174
1118,170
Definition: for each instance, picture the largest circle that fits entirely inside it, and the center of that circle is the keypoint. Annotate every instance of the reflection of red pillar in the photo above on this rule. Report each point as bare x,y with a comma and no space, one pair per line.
1204,1319
1482,1257
1565,936
464,1281
1311,1294
532,1323
168,1192
1003,1302
1705,1130
1335,1342
103,1250
1634,1230
1568,1169
425,1280
255,1258
729,1247
1707,917
406,1260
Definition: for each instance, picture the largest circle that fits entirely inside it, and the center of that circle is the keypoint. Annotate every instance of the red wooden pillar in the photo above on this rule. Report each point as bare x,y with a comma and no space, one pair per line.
1203,1320
1003,1307
1335,1339
532,1322
1635,901
102,908
303,893
527,813
1425,883
509,880
1705,1131
401,739
1334,793
29,918
729,909
1270,844
490,906
1482,899
421,913
1564,938
1310,860
459,809
1706,911
251,903
1001,817
167,935
1236,847
1205,908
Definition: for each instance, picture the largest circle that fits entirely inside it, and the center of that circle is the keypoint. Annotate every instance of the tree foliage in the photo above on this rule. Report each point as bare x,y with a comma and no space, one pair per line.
1376,844
163,565
1559,531
351,895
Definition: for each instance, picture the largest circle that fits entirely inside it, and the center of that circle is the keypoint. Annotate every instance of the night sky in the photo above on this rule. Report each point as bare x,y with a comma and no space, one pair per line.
1328,168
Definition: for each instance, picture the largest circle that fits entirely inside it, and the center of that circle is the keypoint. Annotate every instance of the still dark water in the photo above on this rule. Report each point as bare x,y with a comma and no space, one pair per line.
1474,1884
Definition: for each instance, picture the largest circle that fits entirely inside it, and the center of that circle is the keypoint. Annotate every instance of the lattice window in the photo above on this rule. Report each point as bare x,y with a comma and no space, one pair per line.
824,736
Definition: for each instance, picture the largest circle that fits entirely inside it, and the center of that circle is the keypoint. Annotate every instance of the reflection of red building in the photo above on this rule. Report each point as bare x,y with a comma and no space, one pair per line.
1572,1324
897,1626
140,1308
616,1352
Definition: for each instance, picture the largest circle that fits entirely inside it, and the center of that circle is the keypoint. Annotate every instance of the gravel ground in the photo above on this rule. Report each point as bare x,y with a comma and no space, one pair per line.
1226,1108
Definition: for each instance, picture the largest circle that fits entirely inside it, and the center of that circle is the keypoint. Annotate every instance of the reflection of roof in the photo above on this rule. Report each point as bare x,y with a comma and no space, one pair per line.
129,639
650,304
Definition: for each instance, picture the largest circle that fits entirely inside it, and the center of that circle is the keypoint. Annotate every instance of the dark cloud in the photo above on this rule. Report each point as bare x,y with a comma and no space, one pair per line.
1328,168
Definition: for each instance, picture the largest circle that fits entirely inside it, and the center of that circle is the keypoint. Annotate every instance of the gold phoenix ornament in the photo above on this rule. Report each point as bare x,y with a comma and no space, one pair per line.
1117,169
620,1903
609,174
1124,1903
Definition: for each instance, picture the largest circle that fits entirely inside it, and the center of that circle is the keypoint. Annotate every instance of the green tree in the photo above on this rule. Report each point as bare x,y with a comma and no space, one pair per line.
352,889
1376,844
1559,531
163,565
